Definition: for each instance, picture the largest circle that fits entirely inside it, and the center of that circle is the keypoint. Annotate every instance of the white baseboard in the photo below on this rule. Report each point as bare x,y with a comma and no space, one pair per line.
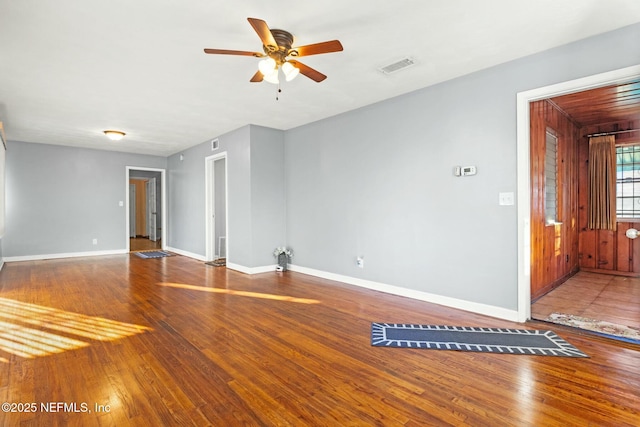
251,270
484,309
229,265
186,253
63,255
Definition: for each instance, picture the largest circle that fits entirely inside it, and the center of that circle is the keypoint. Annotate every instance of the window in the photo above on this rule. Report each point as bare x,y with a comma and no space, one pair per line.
628,181
551,178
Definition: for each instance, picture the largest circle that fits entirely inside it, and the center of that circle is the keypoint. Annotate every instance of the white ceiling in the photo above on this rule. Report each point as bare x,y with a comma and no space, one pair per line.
70,69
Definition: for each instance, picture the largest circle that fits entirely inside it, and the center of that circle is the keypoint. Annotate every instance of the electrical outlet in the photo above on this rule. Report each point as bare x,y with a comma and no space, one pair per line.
360,262
95,241
506,199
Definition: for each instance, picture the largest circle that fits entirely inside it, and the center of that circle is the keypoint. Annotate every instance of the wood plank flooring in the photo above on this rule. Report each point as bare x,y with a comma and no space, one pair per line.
143,244
614,299
124,341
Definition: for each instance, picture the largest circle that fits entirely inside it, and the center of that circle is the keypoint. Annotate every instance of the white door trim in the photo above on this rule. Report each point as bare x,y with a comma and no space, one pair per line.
524,184
131,209
163,192
209,205
152,226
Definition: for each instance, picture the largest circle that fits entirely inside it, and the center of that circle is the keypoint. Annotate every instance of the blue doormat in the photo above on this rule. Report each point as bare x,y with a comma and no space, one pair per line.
152,254
467,338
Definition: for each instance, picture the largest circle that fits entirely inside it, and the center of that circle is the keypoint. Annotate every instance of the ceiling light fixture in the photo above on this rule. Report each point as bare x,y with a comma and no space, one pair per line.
290,72
269,69
114,135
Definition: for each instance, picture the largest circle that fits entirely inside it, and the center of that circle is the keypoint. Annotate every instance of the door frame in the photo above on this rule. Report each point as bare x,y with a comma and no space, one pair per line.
163,204
209,188
131,209
152,202
523,166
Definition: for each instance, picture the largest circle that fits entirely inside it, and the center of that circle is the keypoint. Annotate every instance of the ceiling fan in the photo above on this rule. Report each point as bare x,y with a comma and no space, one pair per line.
278,51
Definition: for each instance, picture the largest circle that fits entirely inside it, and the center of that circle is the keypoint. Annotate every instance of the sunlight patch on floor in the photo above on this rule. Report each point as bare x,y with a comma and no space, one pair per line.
28,342
240,293
30,330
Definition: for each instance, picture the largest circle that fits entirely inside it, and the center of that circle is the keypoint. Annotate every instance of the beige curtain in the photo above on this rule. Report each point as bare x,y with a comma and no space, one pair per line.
602,182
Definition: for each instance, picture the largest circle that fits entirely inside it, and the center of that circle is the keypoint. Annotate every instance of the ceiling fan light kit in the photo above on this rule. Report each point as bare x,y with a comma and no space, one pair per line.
267,66
290,72
272,77
269,69
277,47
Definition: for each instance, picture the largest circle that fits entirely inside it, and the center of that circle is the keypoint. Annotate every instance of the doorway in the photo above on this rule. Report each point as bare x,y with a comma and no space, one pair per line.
216,209
146,209
523,162
583,275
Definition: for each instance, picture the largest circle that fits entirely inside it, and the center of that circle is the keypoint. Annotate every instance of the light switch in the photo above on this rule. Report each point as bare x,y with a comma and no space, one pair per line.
506,199
121,203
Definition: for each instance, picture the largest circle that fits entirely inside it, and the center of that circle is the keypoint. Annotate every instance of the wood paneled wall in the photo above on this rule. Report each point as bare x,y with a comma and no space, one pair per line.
610,252
603,250
559,250
554,248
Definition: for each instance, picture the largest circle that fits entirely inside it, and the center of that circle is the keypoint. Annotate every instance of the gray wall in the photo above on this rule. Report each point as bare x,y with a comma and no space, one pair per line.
186,196
61,198
256,208
268,212
377,182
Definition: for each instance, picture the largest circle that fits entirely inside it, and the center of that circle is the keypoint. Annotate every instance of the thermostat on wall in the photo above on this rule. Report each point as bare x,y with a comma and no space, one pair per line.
468,170
465,170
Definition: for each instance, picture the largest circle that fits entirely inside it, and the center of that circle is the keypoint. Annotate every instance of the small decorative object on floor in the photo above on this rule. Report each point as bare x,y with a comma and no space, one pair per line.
283,255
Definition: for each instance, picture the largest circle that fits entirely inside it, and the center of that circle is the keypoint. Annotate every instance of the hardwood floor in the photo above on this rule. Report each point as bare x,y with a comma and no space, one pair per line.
137,244
615,299
172,341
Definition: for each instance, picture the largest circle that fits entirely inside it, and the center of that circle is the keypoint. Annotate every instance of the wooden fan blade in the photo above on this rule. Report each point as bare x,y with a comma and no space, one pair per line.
257,77
264,33
317,48
233,52
314,75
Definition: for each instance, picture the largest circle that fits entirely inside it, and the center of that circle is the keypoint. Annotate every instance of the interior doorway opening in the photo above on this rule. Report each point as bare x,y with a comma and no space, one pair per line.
585,274
146,209
216,221
524,180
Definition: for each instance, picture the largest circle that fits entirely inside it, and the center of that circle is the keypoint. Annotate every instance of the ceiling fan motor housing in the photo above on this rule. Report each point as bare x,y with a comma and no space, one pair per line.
284,39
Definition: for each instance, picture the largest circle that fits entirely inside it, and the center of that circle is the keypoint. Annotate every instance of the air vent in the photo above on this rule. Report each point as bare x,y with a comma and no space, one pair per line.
215,144
397,66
